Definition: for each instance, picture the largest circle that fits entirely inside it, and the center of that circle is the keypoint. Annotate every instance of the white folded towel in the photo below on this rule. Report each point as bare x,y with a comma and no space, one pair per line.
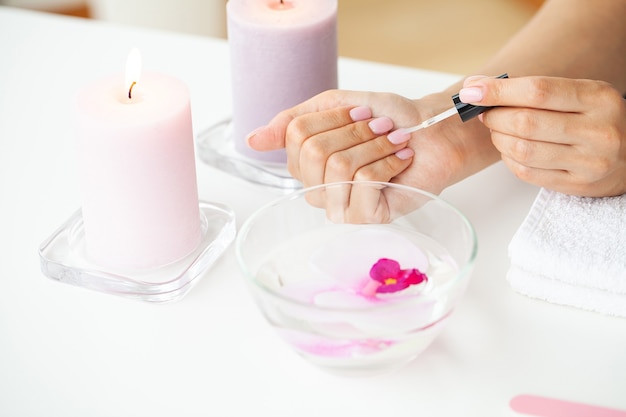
572,251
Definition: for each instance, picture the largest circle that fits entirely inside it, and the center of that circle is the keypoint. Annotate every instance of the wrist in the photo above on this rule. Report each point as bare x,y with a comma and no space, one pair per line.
471,148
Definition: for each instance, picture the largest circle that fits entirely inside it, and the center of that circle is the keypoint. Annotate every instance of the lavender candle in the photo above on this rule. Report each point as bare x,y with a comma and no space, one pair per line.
283,52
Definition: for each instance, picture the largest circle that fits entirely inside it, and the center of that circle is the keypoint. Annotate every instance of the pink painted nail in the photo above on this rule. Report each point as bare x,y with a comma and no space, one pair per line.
471,95
398,136
405,153
381,125
360,113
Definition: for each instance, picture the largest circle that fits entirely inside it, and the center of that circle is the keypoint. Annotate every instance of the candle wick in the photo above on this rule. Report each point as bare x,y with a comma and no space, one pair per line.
281,2
130,90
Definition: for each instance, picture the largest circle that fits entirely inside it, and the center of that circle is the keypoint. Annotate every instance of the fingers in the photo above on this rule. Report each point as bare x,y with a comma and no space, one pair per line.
272,136
374,159
538,125
533,153
549,93
592,170
311,138
564,134
367,204
564,181
363,204
329,146
358,151
536,176
560,139
545,139
328,141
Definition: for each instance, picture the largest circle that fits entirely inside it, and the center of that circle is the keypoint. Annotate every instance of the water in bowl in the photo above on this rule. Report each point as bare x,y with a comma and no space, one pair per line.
311,293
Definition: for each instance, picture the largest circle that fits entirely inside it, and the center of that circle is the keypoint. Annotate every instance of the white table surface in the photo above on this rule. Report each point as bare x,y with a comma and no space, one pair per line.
67,351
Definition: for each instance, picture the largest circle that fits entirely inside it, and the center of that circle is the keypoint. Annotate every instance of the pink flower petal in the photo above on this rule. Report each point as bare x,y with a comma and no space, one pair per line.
385,268
389,270
349,257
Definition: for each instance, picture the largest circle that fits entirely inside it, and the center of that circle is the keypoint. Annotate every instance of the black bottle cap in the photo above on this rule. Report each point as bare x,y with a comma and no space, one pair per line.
468,111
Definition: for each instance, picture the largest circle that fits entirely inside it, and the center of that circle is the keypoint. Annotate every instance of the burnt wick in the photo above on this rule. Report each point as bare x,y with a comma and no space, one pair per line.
130,90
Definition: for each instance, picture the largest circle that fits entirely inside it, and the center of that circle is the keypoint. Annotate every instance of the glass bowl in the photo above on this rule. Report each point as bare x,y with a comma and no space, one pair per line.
357,277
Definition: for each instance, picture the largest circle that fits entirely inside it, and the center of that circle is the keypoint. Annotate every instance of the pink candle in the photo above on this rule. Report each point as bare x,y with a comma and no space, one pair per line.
282,53
140,199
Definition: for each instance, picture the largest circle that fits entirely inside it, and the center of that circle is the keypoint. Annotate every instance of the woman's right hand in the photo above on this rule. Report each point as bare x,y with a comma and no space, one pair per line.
567,135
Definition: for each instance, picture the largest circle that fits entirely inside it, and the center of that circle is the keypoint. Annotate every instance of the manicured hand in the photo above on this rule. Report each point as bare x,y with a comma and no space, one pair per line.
346,135
334,137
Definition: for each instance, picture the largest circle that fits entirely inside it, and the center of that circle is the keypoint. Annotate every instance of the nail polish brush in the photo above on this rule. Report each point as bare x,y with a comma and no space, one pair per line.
464,110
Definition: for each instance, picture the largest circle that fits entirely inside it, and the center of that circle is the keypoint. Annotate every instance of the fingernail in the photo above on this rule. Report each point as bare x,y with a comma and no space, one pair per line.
254,132
360,113
250,136
398,136
471,94
381,125
405,153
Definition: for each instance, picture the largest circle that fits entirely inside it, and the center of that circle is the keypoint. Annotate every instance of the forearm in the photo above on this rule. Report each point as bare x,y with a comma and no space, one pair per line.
569,38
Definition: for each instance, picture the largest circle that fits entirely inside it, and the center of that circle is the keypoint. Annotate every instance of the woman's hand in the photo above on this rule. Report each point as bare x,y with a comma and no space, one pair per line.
336,137
563,134
343,135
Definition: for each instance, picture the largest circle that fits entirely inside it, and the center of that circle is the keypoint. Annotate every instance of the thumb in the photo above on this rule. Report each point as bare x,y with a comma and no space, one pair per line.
271,136
469,80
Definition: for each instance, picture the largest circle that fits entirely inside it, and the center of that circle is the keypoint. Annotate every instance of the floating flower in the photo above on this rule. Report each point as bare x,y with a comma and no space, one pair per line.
387,276
347,258
334,272
348,292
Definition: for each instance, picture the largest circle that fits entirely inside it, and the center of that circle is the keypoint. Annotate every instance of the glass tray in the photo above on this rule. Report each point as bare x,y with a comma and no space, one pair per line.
62,257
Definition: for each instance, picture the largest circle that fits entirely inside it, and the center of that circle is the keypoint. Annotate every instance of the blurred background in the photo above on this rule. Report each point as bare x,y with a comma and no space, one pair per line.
454,36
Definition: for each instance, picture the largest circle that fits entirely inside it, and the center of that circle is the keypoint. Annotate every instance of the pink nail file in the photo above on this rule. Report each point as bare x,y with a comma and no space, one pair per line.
549,407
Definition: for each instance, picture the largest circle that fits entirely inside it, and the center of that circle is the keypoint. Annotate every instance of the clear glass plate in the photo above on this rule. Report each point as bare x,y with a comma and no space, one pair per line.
62,257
